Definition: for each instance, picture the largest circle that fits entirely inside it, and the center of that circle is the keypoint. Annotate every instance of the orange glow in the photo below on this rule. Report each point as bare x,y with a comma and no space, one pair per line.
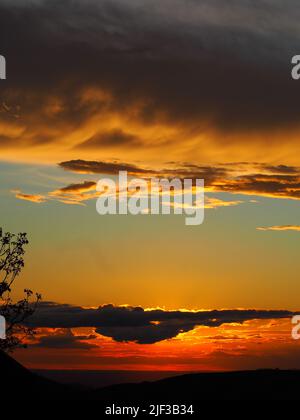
254,344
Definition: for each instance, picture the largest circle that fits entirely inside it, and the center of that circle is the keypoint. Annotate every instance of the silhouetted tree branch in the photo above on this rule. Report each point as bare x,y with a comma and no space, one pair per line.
15,313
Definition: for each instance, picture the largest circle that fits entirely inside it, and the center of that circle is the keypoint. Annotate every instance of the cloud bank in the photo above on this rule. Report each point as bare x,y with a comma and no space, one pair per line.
125,77
126,323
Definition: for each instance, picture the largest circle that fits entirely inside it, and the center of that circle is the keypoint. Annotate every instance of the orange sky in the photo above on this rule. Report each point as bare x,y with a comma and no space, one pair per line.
254,344
169,89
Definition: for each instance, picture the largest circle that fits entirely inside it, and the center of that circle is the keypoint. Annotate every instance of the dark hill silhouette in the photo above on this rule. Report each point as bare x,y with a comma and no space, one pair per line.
192,388
19,383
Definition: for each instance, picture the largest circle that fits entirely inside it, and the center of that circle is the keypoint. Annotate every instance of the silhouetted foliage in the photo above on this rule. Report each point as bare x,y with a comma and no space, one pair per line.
15,313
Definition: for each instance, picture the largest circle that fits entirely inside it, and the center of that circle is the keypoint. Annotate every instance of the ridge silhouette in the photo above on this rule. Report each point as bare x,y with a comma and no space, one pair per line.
271,384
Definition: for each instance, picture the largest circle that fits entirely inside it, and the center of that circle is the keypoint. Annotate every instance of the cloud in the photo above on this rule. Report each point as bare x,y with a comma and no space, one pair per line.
126,323
281,169
213,203
280,228
186,78
34,198
280,181
65,339
100,167
225,337
268,185
70,194
114,138
78,188
252,178
75,193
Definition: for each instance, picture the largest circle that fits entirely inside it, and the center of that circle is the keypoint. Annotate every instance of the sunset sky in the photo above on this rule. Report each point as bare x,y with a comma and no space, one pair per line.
173,88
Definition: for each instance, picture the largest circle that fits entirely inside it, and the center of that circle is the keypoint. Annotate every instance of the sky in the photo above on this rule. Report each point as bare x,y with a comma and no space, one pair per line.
188,89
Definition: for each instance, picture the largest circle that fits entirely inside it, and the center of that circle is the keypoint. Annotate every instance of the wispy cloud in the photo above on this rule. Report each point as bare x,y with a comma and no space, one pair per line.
252,179
64,338
75,193
280,228
34,198
213,203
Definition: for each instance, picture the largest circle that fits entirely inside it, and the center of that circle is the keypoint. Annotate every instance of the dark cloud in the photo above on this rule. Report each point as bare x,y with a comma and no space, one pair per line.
280,228
74,193
142,326
83,186
279,186
149,334
280,181
97,167
225,338
281,169
186,63
65,339
34,198
111,138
